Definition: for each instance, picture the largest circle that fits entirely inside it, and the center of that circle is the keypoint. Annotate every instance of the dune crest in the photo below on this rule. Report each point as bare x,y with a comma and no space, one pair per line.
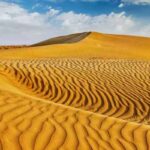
73,38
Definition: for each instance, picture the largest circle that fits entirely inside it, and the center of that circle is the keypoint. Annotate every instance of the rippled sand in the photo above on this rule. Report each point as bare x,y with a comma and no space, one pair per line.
74,103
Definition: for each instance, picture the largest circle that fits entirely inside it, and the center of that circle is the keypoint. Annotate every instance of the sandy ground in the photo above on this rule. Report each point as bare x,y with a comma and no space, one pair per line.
85,103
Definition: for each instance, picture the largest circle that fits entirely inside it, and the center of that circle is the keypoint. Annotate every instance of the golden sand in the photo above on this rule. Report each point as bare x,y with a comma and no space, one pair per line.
94,45
76,102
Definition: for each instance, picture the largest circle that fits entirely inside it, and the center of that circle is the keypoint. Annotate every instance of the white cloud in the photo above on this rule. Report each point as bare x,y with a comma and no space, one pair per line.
121,5
37,5
19,26
112,23
137,2
52,12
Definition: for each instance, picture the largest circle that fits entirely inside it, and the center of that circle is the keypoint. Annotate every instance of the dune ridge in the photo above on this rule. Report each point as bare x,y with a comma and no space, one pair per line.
73,38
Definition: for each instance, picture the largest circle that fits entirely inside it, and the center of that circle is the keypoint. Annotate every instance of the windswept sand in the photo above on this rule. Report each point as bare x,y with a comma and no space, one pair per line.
75,102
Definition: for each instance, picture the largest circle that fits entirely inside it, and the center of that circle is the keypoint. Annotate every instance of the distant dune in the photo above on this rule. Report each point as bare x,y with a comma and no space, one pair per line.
92,45
86,91
73,38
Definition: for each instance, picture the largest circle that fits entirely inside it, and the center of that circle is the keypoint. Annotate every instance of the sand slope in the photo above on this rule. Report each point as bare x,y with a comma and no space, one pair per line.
115,88
78,102
73,38
31,123
33,117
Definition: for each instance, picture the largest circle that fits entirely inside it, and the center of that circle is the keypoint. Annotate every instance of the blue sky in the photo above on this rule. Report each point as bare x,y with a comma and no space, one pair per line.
48,18
141,10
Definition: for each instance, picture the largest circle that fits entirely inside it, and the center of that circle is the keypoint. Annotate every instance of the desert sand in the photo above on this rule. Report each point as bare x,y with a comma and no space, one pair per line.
92,45
86,91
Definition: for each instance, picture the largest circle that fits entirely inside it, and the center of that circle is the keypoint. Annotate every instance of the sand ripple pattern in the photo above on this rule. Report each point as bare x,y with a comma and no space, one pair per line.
116,88
29,124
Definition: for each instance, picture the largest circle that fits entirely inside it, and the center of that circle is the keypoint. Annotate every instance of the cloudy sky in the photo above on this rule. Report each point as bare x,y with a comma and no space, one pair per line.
30,21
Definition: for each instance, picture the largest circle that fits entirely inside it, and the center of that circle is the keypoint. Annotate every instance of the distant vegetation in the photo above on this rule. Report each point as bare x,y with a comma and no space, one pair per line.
12,46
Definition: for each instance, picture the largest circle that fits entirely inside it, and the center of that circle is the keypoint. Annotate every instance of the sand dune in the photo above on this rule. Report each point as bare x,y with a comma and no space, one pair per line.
80,101
73,38
93,45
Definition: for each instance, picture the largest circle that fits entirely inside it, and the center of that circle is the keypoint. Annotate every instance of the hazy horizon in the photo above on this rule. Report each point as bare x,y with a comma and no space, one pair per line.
28,22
